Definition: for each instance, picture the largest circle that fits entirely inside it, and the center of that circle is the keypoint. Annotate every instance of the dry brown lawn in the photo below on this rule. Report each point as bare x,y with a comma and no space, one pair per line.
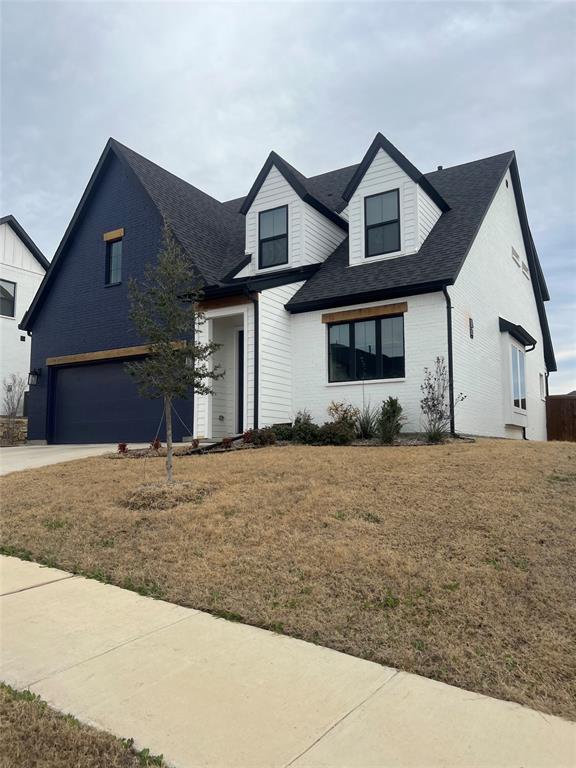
34,736
455,562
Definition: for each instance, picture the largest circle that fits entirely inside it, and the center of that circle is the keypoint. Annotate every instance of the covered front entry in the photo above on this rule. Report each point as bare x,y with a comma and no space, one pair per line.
99,403
227,411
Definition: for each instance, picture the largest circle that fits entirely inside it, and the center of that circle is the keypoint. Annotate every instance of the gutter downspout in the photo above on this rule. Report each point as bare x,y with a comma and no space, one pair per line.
532,348
255,303
450,358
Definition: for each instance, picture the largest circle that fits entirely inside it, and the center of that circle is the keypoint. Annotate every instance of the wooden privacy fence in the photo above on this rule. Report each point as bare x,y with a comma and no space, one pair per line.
561,417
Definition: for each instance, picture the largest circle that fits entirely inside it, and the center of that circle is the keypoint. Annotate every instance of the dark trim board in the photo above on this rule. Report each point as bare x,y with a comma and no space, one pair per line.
380,142
517,332
298,184
363,298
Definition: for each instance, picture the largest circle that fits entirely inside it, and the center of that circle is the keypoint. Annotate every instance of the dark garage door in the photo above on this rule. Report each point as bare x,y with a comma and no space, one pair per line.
99,403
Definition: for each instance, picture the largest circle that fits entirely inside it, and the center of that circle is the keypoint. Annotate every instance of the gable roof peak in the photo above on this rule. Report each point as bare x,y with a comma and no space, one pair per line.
299,184
380,142
20,232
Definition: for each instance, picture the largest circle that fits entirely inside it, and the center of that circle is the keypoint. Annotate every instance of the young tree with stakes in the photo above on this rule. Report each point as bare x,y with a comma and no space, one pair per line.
164,310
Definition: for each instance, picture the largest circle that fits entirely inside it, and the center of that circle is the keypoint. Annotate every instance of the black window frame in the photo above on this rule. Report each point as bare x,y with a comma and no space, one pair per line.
109,245
368,227
378,351
270,239
13,298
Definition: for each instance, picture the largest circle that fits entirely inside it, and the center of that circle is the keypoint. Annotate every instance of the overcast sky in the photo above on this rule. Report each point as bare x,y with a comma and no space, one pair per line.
207,90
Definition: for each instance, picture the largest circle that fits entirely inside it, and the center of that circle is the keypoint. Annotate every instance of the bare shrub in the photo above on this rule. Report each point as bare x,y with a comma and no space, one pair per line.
435,404
343,413
13,388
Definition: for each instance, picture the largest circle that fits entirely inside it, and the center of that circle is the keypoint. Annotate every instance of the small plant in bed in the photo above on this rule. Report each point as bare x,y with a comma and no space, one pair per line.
390,420
304,430
284,432
259,437
336,433
367,422
435,402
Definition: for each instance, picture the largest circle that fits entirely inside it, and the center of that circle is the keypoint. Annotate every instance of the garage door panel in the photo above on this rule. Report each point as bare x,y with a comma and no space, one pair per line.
99,403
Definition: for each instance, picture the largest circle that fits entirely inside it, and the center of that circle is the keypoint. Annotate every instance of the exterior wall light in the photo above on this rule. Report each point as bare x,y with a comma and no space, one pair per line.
33,376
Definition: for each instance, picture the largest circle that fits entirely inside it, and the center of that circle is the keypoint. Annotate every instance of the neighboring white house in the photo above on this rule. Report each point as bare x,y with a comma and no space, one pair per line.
343,286
22,269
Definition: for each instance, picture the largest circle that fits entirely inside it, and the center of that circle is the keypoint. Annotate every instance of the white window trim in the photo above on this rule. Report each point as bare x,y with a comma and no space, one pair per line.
542,382
516,408
395,254
256,255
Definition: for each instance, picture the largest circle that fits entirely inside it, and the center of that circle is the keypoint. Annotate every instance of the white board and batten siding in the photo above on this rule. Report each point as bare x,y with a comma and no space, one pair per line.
311,236
18,265
493,284
276,360
418,213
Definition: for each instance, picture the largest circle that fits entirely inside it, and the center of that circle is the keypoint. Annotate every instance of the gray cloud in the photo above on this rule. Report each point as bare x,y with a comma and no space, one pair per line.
206,90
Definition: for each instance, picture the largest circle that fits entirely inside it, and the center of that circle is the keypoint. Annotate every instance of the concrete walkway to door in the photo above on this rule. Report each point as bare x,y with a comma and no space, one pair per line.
211,693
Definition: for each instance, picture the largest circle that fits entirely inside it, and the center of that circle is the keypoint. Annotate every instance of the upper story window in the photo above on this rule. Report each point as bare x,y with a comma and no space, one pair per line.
7,298
113,262
382,223
366,349
518,378
273,237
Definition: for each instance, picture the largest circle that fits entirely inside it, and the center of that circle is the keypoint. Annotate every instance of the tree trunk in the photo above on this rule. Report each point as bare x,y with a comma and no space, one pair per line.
168,413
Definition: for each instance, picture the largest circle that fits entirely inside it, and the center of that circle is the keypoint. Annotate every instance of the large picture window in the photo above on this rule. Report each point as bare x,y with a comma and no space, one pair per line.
366,349
273,237
382,223
7,298
518,378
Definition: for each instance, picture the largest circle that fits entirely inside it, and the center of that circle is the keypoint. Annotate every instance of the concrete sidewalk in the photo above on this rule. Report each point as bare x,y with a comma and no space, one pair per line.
207,692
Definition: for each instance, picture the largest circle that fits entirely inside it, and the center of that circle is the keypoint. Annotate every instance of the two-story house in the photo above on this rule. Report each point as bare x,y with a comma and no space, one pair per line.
22,269
341,286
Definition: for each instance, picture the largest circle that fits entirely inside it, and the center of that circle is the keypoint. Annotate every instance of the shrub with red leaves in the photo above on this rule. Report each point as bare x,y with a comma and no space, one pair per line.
156,444
122,447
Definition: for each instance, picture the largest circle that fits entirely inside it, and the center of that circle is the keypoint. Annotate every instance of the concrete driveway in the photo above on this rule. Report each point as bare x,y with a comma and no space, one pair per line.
34,456
209,693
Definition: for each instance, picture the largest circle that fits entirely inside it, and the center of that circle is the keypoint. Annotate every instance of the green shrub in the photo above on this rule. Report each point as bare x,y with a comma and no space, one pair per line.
335,433
283,431
264,436
305,432
259,437
390,420
367,422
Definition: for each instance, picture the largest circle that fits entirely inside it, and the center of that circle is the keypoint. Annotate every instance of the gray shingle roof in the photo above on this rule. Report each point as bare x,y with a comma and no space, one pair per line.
468,189
212,233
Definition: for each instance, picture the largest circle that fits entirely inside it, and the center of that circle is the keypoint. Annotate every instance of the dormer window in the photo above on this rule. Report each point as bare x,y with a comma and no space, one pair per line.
382,223
273,237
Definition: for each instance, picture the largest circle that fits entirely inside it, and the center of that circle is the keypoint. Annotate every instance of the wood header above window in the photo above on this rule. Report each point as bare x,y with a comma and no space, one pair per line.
116,234
365,312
